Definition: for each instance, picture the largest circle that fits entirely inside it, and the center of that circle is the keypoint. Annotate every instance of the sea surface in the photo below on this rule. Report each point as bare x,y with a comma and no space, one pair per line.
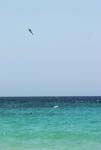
50,123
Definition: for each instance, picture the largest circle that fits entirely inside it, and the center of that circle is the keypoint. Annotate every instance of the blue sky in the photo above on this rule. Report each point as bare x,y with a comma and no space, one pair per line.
63,56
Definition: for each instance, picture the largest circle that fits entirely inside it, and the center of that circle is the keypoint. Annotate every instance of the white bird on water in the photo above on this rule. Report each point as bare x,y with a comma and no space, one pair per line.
55,106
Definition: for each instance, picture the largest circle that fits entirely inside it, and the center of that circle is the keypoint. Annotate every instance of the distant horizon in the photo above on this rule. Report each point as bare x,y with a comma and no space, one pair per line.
48,96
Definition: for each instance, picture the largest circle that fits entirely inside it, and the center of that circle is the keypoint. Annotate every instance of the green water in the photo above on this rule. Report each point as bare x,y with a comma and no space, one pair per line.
74,127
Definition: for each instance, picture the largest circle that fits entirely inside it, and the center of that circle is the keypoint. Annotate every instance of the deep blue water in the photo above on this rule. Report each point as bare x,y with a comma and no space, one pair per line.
46,101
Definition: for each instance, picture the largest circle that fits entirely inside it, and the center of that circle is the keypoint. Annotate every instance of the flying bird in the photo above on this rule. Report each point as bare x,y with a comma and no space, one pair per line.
30,31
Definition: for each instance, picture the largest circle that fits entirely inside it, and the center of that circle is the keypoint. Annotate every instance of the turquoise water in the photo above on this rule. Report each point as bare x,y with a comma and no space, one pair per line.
28,126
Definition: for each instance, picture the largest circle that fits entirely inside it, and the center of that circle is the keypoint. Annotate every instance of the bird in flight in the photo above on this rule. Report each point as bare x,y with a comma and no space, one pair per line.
30,31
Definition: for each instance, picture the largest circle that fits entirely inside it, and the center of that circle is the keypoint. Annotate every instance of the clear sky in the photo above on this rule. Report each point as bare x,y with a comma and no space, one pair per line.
63,57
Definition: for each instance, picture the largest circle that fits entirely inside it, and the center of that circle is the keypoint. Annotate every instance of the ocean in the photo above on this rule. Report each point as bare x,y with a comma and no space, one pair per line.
50,123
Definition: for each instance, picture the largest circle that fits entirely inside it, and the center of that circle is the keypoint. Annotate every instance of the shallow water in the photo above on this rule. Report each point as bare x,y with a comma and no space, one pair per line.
34,124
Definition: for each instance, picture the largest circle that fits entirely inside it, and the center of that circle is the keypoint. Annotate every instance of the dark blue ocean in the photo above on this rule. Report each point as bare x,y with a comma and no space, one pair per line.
50,123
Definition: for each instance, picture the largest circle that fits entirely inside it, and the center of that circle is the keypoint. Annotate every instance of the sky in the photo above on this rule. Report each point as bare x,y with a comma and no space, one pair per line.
62,58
